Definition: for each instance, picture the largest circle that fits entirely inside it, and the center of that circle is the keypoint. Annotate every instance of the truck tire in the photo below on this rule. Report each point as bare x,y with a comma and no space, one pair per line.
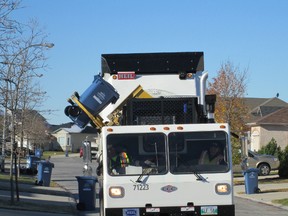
264,169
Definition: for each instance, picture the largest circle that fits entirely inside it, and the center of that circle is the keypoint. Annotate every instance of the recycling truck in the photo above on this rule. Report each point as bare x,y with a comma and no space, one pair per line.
156,131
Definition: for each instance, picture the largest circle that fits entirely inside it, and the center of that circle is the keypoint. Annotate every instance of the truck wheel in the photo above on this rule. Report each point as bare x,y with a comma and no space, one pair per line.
264,169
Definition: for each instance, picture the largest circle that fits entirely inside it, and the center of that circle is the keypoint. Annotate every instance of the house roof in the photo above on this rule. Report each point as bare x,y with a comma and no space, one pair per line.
266,110
254,103
75,129
65,125
260,107
279,117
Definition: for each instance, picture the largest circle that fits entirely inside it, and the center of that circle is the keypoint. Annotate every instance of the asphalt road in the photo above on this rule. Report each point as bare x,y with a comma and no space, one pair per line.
67,168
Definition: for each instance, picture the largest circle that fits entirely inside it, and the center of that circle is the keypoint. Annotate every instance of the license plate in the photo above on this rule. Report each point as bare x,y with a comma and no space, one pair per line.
187,209
131,212
209,210
152,210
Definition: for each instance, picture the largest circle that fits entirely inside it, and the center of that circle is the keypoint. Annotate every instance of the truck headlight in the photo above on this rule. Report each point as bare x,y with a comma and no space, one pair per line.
223,189
116,192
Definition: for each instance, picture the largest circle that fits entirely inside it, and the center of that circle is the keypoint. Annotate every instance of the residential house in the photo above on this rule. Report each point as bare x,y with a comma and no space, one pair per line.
71,138
31,131
268,119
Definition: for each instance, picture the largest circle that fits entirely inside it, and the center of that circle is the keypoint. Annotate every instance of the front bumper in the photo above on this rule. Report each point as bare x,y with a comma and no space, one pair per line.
220,210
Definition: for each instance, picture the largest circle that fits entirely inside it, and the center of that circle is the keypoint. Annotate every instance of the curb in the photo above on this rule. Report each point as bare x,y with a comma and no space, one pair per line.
261,201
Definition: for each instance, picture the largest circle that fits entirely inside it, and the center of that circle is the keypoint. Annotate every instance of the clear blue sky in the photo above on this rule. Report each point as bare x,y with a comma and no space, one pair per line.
250,34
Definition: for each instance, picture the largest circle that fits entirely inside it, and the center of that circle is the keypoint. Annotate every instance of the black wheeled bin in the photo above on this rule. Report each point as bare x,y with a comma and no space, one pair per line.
44,173
251,180
87,192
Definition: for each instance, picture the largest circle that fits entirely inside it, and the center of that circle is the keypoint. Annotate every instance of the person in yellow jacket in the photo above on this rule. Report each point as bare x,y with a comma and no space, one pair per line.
213,155
117,161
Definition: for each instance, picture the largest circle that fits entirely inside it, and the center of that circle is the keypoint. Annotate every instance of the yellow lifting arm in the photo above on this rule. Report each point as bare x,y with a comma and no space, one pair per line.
97,120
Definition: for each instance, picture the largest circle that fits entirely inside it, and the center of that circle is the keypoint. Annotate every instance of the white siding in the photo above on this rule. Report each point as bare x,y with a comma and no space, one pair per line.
266,133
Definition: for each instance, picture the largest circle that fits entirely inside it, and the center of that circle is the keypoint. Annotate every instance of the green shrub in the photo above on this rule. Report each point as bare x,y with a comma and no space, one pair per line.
283,169
271,149
236,153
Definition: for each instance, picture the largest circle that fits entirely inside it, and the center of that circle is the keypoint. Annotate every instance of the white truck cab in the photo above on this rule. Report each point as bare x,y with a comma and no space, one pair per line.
160,150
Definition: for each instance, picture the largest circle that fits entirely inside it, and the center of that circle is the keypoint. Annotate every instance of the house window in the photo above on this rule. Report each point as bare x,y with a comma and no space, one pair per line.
68,141
61,140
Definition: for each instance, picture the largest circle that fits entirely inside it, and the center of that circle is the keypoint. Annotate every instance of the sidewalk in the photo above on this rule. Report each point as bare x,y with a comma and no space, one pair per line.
38,198
269,192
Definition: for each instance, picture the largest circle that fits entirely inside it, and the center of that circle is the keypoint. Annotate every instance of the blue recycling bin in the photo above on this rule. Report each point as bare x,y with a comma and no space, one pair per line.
251,180
44,173
96,97
87,192
31,164
38,153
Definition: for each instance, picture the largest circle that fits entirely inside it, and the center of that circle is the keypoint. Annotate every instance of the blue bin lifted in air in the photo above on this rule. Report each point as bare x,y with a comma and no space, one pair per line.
96,97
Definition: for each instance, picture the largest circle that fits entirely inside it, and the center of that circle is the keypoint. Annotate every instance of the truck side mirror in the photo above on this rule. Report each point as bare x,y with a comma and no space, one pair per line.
86,145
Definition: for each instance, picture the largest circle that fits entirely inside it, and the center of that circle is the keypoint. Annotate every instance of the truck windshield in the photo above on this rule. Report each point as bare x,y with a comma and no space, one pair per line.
151,154
136,154
198,152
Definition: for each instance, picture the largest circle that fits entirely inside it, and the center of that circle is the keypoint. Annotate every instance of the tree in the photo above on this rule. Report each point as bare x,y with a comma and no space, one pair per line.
283,168
22,56
271,148
8,27
34,129
230,87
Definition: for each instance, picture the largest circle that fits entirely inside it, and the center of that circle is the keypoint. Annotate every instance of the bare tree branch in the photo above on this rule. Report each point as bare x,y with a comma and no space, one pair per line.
23,59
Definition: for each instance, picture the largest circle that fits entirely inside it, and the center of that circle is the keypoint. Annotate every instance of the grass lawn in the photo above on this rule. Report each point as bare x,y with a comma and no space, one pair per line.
46,154
283,202
21,179
271,179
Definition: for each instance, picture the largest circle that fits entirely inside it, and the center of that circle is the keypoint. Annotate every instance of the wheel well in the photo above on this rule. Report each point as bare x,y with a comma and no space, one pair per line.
263,163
